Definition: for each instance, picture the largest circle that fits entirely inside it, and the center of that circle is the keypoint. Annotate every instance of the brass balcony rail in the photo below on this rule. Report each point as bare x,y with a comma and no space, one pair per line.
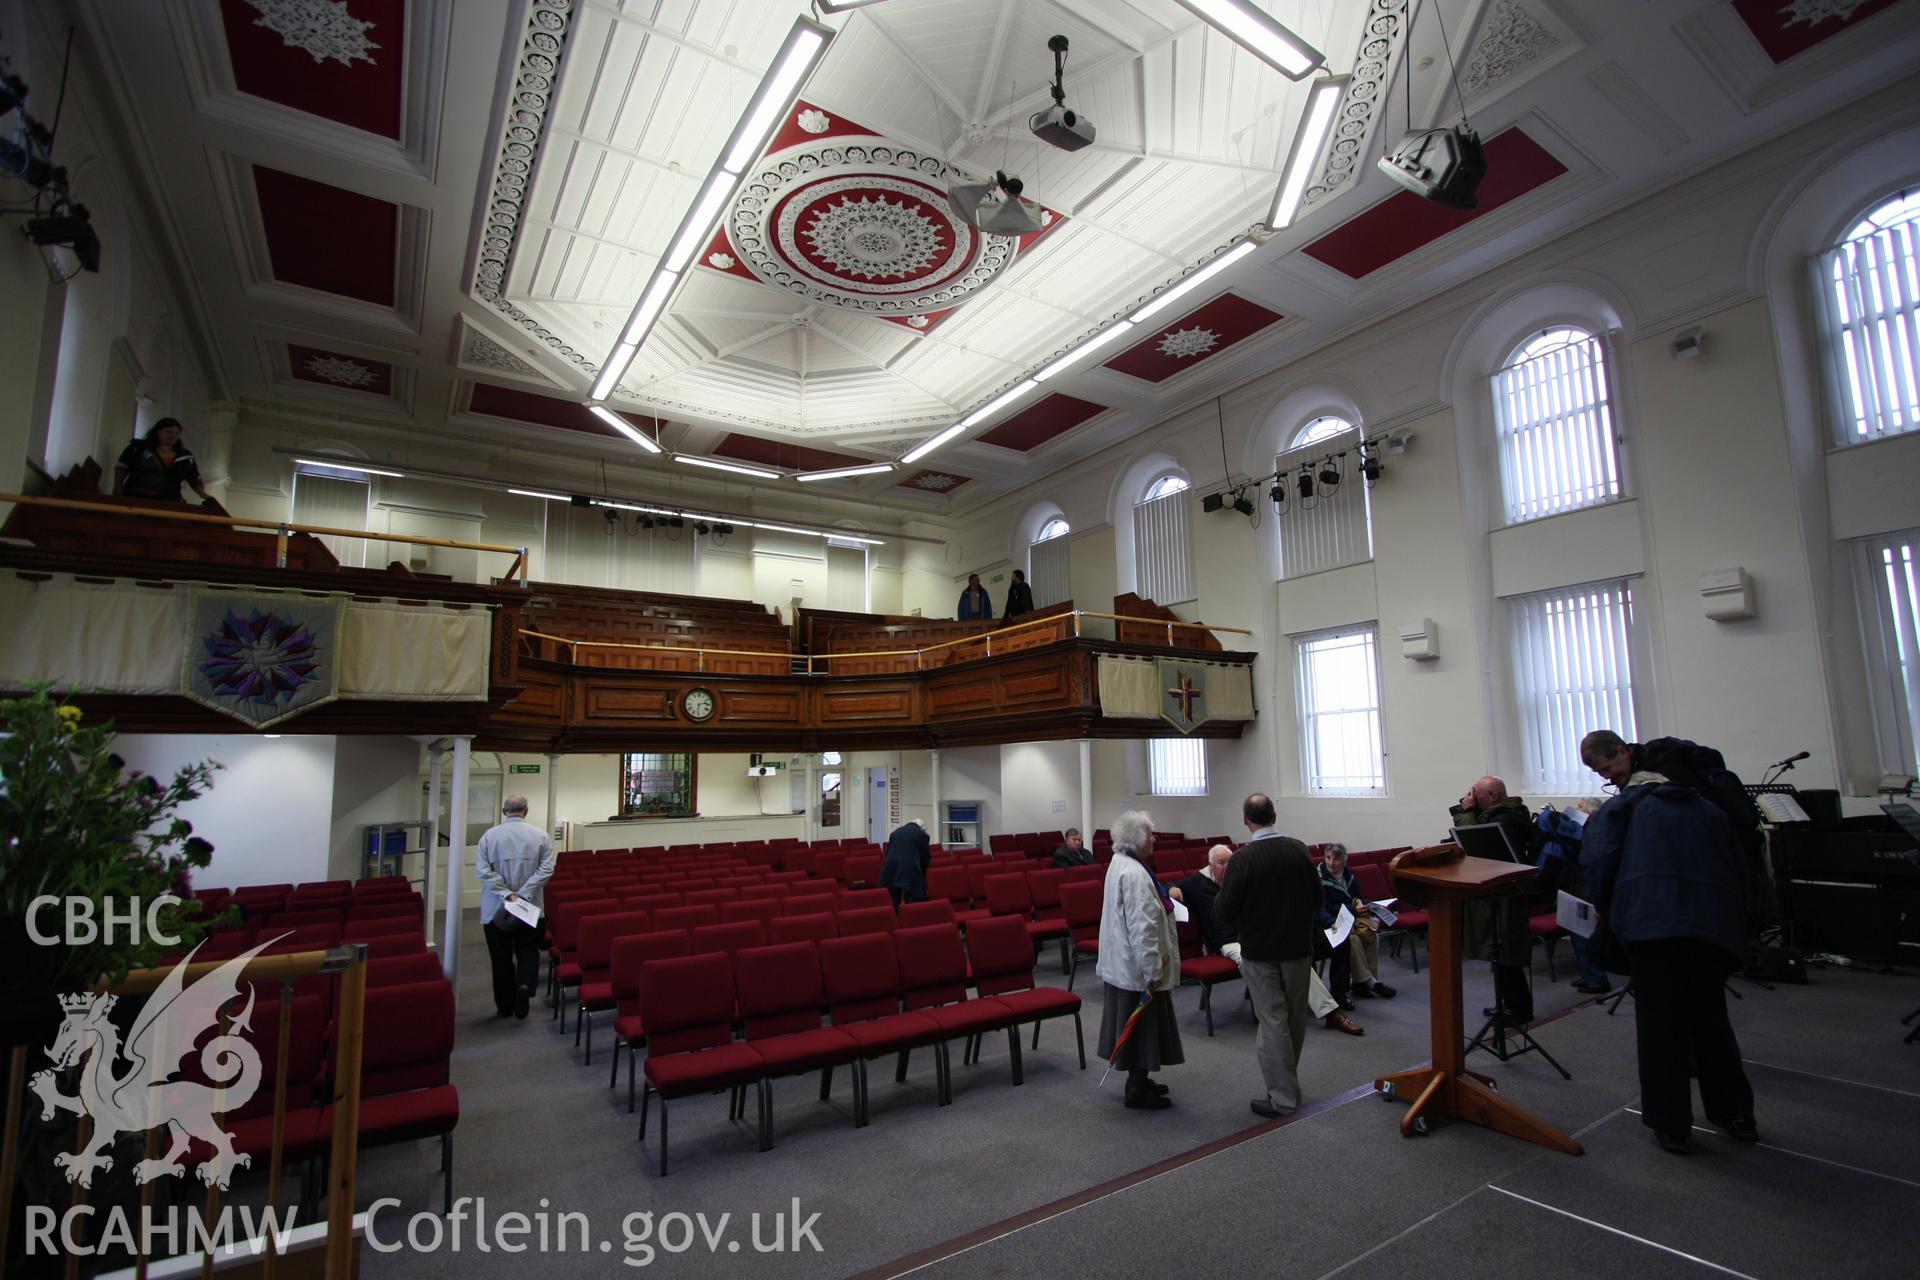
918,654
350,963
518,569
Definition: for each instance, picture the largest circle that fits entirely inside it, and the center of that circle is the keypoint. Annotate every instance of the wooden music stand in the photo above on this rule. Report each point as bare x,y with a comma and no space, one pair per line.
1440,878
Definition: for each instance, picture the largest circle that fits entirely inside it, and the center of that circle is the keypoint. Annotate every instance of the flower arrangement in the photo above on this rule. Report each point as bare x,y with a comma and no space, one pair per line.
75,823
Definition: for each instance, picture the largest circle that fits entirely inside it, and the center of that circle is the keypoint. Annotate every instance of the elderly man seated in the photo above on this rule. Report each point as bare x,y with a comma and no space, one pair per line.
1200,889
1363,944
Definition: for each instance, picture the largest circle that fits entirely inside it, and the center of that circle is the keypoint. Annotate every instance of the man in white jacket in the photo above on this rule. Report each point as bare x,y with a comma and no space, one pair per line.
1140,965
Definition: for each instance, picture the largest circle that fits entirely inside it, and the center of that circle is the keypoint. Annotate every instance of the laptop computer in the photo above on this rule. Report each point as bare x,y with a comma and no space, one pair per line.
1486,840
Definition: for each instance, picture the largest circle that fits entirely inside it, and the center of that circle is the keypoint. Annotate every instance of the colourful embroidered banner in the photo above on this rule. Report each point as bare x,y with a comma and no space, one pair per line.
262,659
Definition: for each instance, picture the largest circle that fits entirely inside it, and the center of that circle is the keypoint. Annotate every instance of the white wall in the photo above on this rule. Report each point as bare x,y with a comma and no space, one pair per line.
375,780
270,812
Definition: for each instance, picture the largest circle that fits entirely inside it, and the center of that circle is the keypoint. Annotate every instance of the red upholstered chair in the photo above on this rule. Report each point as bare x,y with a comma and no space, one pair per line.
1007,895
1080,903
388,945
857,899
563,969
406,1091
1002,957
304,1136
864,869
630,955
868,920
359,930
709,897
295,917
730,938
1207,970
397,970
977,872
950,882
817,927
781,995
686,917
862,976
687,1007
918,915
812,904
831,864
765,910
1049,920
1545,928
597,934
1094,873
933,980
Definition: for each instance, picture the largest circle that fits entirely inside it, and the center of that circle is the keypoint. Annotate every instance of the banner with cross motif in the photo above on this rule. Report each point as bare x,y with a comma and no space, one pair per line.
1183,693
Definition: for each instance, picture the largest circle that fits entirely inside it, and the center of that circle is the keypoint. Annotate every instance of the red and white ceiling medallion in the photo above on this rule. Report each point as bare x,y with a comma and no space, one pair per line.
842,217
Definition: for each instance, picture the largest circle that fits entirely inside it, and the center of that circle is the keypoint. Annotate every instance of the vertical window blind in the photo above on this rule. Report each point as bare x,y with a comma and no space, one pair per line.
1329,529
1554,426
1177,766
1894,585
1048,570
1163,548
1871,292
336,504
584,548
1337,691
1573,673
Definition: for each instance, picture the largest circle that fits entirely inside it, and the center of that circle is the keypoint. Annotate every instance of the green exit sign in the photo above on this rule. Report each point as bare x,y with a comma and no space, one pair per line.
523,768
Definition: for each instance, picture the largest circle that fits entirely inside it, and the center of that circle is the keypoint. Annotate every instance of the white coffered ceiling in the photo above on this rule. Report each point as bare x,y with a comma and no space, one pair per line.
464,202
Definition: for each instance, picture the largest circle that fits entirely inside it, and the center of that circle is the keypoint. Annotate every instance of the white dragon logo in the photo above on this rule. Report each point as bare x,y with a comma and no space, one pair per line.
146,1095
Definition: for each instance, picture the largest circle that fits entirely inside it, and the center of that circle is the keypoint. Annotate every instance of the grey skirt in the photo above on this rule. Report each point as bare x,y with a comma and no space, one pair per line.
1155,1041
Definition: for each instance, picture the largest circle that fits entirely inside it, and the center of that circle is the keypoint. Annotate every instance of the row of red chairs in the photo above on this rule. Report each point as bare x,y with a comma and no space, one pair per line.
884,994
383,937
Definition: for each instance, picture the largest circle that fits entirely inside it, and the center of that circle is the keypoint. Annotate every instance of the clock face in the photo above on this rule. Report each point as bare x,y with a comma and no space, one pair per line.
698,704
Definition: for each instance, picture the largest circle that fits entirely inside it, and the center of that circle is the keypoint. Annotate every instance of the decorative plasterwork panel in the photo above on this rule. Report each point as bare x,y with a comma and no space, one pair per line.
1382,38
1511,38
483,352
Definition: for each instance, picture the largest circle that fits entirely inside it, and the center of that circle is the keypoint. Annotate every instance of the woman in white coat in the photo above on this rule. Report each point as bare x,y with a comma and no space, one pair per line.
1139,957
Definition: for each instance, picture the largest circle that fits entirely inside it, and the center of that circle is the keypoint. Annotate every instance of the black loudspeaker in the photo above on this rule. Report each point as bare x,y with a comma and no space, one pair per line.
1783,964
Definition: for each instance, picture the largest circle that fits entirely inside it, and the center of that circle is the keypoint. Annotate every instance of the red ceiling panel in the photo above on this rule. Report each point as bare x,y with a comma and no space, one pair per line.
1194,338
931,481
790,457
1401,223
1038,423
331,369
329,239
351,71
1781,34
547,411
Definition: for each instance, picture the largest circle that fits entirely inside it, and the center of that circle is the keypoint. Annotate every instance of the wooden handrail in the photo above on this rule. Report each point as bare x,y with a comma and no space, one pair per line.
280,527
659,648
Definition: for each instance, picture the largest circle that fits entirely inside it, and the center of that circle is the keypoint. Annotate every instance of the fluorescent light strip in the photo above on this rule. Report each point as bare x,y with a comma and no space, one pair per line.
706,211
735,521
999,402
651,304
1254,30
817,533
614,370
349,466
624,427
1315,123
841,6
1085,349
926,447
1194,281
737,469
535,493
804,45
843,472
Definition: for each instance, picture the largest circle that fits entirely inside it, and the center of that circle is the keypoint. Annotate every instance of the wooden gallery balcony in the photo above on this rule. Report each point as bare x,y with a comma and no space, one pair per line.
555,667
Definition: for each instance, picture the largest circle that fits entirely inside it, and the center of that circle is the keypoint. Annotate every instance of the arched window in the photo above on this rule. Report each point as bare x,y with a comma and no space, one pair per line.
1871,295
1323,525
1163,542
1049,563
1553,417
1054,528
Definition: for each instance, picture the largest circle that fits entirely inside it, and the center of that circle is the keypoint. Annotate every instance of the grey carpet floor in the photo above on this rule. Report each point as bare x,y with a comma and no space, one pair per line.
540,1133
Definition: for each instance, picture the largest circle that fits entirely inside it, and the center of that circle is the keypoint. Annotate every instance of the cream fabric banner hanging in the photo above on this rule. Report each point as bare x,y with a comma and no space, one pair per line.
1129,688
121,638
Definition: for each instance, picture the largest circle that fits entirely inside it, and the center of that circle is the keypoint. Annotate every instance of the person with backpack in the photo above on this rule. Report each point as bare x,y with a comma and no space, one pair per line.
1561,834
1663,867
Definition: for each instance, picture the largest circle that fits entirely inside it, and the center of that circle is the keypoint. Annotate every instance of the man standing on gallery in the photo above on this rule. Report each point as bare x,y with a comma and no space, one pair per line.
974,601
514,863
1270,896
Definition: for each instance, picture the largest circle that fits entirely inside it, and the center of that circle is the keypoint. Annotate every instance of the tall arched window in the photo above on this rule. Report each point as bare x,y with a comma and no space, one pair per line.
1871,296
1049,562
1163,542
1553,416
1322,525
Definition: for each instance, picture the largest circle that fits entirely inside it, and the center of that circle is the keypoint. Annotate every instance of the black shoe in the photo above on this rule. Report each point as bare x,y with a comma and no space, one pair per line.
1491,1010
1593,988
1266,1110
1679,1144
1382,990
1148,1101
1158,1088
1346,1003
502,1013
1741,1128
1364,993
521,1000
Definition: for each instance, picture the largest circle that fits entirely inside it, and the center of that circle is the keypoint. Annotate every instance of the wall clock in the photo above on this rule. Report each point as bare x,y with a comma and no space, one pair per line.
697,704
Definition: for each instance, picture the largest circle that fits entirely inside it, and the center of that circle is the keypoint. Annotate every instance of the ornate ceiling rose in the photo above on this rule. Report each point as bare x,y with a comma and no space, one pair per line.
861,224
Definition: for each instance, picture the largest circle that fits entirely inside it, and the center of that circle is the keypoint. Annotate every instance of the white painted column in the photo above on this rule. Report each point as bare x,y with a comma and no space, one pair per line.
939,827
553,795
435,755
808,799
1086,791
456,860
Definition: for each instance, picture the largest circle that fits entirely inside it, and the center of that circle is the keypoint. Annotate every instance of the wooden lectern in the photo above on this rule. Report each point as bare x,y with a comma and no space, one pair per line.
1440,878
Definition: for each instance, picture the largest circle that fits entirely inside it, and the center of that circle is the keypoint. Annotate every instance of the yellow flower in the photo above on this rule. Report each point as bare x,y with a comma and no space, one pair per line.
69,717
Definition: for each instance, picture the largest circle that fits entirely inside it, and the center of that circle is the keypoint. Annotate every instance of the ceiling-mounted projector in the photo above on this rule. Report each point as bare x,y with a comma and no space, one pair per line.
1442,165
995,206
1057,126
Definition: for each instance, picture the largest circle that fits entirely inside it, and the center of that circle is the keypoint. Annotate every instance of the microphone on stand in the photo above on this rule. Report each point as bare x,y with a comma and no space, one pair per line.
1781,766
